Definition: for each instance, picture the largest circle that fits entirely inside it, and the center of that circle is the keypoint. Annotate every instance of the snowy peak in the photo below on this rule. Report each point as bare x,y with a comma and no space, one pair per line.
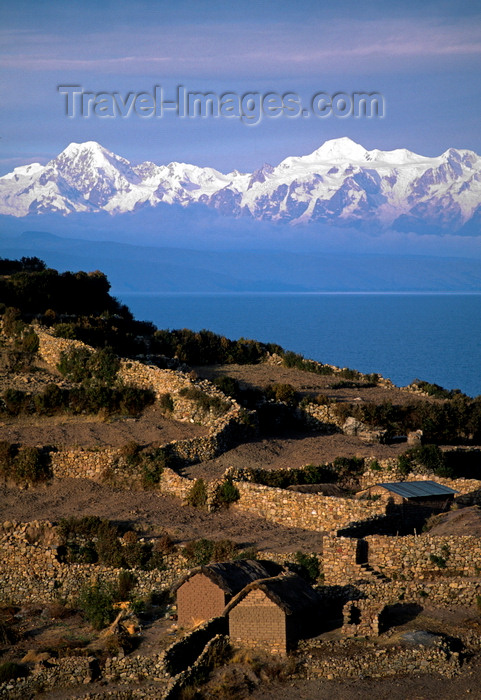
339,150
340,183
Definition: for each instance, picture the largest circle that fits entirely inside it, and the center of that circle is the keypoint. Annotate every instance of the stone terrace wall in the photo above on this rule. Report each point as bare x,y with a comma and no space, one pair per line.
83,463
386,470
339,560
308,511
409,557
378,662
161,381
441,592
31,572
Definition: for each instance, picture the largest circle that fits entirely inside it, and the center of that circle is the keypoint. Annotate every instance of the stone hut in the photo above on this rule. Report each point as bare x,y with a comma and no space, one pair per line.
412,501
424,493
206,590
274,613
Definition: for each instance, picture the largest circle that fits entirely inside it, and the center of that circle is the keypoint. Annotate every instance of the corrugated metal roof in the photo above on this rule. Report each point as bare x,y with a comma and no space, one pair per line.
418,489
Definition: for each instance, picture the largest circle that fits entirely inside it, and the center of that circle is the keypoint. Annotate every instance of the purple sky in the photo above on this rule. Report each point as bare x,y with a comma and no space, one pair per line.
424,58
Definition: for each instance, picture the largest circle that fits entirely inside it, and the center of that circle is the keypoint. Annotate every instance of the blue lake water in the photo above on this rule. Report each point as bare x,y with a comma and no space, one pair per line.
435,337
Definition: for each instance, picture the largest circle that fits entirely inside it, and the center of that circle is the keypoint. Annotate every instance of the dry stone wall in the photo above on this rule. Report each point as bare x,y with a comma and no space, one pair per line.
161,381
407,561
60,673
441,592
377,662
411,557
361,617
127,671
379,471
308,511
31,572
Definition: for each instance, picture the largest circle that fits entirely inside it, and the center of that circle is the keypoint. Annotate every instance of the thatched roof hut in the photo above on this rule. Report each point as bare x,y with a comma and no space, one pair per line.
275,612
205,591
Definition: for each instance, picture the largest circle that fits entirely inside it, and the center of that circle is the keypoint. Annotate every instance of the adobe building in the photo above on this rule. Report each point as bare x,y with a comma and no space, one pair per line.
275,613
206,590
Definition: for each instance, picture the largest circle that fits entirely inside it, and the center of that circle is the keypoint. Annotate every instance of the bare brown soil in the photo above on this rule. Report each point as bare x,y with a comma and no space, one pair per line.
291,452
415,687
305,383
465,521
90,431
151,513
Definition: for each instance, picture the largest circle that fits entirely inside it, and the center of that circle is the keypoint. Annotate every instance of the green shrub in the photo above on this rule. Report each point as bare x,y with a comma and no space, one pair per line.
103,365
29,343
137,555
205,402
126,583
153,464
348,467
430,458
31,465
309,564
292,359
51,400
164,544
228,385
226,493
249,553
284,393
166,403
404,464
282,478
318,399
70,528
197,496
65,330
203,551
349,384
199,552
438,560
108,545
10,670
132,400
73,364
7,453
8,636
12,322
223,550
317,474
96,603
82,365
130,452
15,402
437,391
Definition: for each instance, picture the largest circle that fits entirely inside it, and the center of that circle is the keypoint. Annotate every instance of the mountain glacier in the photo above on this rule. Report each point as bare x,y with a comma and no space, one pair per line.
341,183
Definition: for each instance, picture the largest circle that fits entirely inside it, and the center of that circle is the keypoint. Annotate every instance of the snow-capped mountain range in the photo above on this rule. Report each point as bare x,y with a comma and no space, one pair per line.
341,183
